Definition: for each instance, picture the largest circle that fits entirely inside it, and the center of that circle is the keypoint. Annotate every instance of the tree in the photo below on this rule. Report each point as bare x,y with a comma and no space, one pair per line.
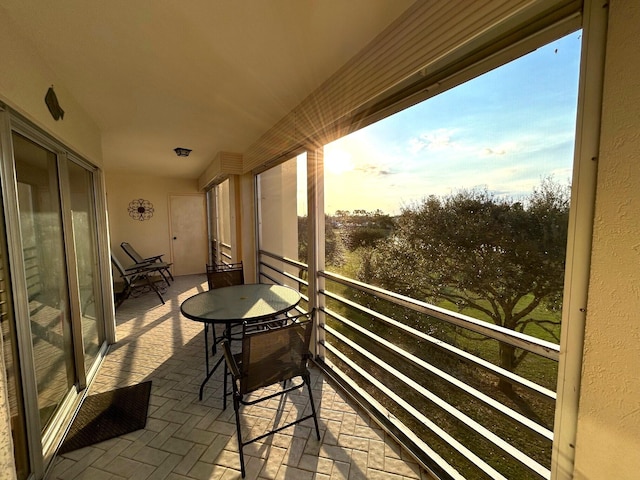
496,256
362,228
334,250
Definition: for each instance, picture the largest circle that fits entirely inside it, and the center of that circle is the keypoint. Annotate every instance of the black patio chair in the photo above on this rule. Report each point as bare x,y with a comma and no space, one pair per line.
218,276
273,354
156,260
136,282
225,275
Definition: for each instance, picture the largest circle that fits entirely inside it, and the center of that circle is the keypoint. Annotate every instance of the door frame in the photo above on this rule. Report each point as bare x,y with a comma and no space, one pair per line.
203,197
43,445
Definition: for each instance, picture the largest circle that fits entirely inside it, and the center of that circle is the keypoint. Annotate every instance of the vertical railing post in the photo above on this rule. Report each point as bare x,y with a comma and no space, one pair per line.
315,192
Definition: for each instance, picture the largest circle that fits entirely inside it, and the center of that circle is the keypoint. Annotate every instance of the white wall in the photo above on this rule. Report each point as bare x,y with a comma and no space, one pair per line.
278,216
149,237
24,81
608,436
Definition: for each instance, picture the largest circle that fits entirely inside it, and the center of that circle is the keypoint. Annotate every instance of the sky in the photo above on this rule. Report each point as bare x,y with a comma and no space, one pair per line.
503,131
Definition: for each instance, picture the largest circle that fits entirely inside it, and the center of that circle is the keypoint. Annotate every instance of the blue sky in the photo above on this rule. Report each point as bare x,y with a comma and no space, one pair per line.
503,131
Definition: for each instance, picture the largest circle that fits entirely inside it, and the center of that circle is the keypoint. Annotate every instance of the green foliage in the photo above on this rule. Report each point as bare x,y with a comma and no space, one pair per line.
334,248
346,230
500,258
362,228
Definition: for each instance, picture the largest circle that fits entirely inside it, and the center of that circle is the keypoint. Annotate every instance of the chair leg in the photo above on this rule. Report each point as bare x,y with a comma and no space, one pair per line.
206,347
214,340
164,272
164,277
214,348
154,288
224,388
168,272
121,297
307,380
236,407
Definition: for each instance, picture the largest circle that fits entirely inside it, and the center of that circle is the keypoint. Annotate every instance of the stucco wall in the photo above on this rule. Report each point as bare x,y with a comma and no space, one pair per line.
149,237
24,81
277,186
608,436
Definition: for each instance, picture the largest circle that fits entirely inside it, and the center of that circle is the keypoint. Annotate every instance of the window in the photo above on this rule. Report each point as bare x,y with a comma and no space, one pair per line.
283,224
460,202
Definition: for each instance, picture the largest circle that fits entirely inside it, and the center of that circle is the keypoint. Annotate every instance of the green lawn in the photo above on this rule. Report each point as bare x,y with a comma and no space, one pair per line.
537,369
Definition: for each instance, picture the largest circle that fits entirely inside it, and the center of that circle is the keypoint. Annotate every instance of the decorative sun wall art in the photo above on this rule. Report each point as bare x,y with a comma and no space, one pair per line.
140,209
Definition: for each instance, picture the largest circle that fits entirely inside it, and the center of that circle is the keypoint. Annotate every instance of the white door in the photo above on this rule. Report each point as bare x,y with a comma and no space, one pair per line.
188,233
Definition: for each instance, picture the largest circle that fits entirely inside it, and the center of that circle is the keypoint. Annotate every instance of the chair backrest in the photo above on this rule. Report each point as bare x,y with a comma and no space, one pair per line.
129,250
225,275
274,351
116,263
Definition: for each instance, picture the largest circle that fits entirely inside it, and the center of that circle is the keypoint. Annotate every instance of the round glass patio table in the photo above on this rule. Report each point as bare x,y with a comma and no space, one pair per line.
235,305
238,303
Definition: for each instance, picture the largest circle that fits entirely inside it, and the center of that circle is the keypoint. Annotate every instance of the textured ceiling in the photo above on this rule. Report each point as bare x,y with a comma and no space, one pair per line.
210,75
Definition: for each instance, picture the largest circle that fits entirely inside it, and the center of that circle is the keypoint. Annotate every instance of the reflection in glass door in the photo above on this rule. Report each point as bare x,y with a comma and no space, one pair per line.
12,363
46,273
212,217
85,241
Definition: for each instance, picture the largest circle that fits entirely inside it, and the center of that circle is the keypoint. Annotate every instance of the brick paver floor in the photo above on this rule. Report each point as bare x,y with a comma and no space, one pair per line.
188,439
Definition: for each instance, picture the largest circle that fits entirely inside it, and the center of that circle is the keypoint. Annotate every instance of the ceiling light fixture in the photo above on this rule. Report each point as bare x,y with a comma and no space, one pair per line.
182,152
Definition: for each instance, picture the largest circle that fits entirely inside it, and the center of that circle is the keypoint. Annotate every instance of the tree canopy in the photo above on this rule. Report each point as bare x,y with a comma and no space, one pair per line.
334,250
497,256
361,228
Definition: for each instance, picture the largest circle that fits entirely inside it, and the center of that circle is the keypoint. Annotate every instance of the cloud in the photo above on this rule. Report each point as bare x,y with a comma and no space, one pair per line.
490,151
499,150
371,169
435,140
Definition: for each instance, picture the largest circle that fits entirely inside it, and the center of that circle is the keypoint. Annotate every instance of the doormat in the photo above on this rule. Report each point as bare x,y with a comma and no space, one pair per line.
108,415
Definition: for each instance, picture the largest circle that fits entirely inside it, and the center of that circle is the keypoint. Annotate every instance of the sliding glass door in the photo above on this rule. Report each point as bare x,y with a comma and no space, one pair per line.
85,241
11,359
46,273
53,315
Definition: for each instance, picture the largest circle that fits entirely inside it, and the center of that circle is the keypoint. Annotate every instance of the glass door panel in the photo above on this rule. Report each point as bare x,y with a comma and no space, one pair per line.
282,222
85,241
212,214
224,222
45,269
12,364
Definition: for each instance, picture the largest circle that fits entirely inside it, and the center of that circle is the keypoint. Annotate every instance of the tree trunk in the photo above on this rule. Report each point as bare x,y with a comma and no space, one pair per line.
507,361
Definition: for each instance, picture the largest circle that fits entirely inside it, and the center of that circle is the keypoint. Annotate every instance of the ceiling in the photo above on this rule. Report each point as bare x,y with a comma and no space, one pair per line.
209,75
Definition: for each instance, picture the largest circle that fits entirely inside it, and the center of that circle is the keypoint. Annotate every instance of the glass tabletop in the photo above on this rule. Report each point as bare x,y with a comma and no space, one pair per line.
240,302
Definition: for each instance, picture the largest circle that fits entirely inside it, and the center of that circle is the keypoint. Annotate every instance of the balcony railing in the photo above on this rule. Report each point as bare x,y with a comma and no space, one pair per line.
433,377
